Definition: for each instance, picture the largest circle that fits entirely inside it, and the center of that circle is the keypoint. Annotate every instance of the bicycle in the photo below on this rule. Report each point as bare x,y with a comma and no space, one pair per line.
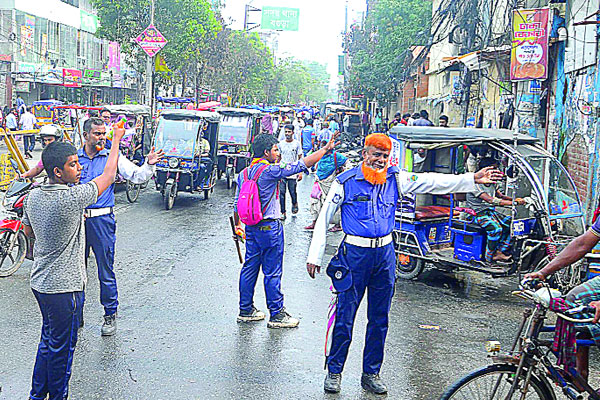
527,371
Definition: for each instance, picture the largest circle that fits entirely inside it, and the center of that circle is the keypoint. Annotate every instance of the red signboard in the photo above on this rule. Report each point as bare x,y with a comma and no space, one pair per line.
151,40
72,77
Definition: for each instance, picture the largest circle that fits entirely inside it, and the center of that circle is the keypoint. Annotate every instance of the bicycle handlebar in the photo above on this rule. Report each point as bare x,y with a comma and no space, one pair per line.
529,295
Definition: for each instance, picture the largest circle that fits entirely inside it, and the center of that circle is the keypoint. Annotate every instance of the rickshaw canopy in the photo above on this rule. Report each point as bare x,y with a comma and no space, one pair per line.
183,114
238,111
174,100
208,106
47,103
128,109
446,137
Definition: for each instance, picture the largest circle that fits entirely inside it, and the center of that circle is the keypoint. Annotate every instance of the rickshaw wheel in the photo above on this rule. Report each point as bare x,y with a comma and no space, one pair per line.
169,195
133,191
229,181
407,266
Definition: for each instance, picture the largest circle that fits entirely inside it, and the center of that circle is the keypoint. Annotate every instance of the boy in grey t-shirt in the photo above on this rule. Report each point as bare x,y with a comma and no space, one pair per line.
291,151
53,214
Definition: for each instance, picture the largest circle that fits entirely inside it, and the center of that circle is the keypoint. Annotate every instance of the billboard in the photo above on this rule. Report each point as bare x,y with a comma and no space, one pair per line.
280,18
529,54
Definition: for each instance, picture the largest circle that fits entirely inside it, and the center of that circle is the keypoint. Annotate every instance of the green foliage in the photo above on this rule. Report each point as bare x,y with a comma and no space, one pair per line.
379,49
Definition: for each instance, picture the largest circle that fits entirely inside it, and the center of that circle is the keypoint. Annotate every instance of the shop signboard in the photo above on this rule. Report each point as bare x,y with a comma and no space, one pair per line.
529,54
52,76
117,81
105,79
91,77
72,77
280,18
22,87
151,40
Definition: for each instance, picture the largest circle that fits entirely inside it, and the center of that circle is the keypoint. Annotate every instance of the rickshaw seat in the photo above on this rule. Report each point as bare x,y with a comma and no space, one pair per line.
469,226
433,212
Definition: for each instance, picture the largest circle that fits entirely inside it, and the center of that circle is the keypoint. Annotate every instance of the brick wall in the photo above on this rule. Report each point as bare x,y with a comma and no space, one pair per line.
407,102
577,163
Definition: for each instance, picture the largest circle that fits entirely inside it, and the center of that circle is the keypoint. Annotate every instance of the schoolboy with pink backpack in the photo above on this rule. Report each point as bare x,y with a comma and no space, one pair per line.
257,206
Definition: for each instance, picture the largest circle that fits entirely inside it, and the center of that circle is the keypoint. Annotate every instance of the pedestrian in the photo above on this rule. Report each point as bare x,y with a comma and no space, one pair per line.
367,195
308,136
330,166
378,120
423,119
106,116
53,214
405,118
333,124
411,120
443,121
325,133
299,124
100,224
365,119
264,240
346,122
317,123
397,120
291,152
11,120
20,106
28,122
73,116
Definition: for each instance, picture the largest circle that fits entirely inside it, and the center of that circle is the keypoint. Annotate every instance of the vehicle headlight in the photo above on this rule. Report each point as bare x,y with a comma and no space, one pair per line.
173,162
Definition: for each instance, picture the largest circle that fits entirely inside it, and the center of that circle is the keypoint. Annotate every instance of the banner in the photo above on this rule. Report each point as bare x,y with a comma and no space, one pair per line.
529,54
72,77
114,57
160,65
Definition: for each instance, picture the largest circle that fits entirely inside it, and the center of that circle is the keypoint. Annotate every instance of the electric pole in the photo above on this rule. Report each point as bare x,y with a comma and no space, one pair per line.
149,69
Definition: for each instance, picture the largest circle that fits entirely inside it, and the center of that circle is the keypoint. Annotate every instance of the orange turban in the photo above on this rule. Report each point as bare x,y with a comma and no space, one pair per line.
379,140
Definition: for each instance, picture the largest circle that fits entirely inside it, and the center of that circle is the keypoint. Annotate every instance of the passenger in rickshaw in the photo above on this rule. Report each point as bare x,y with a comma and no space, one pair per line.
483,202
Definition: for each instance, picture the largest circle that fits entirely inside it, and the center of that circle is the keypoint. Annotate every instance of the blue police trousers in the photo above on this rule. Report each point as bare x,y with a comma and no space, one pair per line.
372,270
61,314
100,236
264,247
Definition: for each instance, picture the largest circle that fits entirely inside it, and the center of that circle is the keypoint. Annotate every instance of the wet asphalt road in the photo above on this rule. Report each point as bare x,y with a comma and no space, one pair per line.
177,336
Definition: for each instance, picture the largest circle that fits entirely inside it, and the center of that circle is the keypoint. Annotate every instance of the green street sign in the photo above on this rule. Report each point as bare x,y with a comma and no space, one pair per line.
89,22
341,64
280,18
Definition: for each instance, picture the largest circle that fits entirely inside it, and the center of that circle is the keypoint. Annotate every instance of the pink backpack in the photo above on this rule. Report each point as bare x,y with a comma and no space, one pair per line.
248,206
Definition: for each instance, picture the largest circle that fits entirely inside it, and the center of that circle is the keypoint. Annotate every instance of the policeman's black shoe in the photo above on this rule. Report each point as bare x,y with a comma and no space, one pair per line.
254,315
332,383
373,383
282,320
109,327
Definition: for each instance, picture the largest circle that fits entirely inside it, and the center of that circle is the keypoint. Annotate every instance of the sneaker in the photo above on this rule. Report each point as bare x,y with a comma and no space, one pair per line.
283,216
282,320
109,327
295,209
373,383
332,383
254,315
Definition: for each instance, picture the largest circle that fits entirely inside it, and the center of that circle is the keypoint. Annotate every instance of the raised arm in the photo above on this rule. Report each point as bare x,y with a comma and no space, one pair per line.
313,158
110,170
319,238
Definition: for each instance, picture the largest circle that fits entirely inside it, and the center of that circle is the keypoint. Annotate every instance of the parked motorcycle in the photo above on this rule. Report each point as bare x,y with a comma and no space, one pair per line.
14,244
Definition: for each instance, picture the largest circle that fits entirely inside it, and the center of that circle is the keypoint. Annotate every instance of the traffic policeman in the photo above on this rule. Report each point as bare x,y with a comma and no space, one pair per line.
100,224
367,195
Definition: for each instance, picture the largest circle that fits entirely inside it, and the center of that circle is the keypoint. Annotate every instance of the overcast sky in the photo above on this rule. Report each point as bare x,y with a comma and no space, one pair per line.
319,34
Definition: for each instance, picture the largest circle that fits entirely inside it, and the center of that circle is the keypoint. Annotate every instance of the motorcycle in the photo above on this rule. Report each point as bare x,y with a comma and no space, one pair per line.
14,244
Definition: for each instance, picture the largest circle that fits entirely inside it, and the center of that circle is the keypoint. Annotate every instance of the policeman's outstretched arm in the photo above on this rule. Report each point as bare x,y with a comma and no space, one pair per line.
110,170
319,238
314,158
437,183
570,254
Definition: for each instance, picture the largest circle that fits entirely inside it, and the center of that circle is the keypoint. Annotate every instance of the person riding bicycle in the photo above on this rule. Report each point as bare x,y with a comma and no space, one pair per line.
49,133
587,293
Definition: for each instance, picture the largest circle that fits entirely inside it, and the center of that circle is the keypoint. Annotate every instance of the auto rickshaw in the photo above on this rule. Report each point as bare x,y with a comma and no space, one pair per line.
137,141
187,165
440,231
237,130
339,110
45,111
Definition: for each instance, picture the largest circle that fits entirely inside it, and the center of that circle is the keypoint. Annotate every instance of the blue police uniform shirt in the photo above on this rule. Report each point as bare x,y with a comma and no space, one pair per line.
368,210
268,183
93,168
308,133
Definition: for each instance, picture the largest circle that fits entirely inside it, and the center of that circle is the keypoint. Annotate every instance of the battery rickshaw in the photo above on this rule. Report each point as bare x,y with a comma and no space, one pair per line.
189,139
441,230
45,111
237,130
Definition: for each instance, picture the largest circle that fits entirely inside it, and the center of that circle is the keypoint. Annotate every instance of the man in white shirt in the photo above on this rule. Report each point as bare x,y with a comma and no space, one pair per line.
291,151
11,120
28,122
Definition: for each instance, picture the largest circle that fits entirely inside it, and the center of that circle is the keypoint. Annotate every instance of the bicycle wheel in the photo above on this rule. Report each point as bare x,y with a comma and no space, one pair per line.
493,383
11,258
132,191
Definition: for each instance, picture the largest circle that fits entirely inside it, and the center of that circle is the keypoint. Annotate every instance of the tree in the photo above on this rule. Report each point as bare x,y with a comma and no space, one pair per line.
379,49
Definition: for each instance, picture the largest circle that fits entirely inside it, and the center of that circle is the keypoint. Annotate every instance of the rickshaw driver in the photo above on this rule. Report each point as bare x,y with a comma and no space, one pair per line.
483,201
368,195
100,224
